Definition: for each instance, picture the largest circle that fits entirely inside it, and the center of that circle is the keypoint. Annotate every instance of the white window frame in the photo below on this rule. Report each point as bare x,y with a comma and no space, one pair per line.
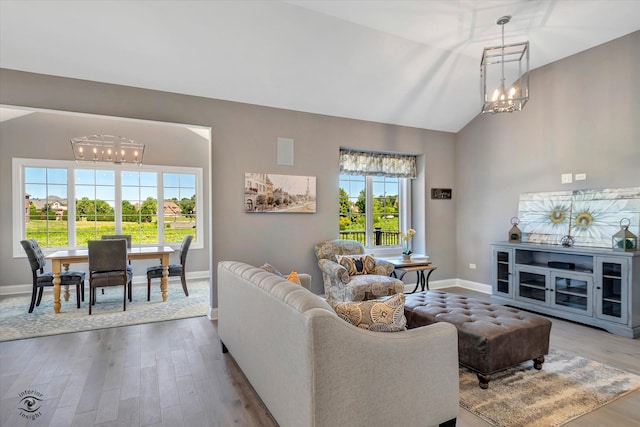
18,215
404,212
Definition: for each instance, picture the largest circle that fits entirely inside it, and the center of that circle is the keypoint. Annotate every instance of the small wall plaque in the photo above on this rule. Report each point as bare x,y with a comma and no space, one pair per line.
441,193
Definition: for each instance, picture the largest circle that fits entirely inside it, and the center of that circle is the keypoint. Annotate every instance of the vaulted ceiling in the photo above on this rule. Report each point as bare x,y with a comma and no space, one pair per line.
413,63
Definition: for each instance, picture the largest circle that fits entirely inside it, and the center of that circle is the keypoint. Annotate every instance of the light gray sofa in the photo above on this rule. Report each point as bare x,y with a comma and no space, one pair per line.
312,368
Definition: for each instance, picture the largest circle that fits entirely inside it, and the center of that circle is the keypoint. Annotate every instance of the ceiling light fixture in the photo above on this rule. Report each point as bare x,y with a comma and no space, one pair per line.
107,148
496,98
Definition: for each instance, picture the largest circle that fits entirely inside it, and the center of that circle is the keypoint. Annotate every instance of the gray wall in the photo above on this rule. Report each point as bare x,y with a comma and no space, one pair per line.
583,117
244,140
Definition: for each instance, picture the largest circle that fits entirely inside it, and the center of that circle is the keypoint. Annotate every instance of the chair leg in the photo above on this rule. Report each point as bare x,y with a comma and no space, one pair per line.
130,285
33,299
40,291
82,290
148,288
92,297
78,295
184,283
124,304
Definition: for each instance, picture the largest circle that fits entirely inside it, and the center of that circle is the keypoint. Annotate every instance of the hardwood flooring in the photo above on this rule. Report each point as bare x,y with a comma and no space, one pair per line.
174,374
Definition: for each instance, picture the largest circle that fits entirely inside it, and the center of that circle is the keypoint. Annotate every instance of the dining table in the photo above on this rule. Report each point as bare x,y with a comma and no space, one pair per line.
74,256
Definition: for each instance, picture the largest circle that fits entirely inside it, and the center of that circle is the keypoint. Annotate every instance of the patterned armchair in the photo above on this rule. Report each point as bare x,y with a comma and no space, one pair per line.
350,275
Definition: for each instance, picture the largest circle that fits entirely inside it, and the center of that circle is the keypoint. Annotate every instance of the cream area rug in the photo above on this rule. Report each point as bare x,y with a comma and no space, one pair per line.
567,387
17,323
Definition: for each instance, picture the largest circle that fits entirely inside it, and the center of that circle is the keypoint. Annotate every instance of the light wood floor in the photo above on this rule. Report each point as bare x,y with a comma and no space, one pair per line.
174,373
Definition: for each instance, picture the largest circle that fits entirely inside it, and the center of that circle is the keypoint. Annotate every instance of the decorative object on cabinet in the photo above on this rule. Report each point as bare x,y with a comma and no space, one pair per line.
594,286
567,241
269,193
624,240
515,235
590,217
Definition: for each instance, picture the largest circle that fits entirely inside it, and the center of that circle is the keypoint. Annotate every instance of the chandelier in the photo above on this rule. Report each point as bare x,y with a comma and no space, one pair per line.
107,148
504,75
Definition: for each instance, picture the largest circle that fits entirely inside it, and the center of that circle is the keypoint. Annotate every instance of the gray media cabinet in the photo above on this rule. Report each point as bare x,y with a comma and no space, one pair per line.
594,286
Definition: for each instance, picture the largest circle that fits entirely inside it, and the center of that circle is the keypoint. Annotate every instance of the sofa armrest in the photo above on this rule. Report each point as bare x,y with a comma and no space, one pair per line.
334,270
362,369
305,280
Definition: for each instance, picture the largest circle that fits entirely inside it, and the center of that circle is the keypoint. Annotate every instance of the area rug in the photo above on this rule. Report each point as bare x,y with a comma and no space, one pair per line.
567,387
17,323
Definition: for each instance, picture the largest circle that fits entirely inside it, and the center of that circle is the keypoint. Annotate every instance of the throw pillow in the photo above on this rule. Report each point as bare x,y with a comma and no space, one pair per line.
380,315
357,264
271,269
293,277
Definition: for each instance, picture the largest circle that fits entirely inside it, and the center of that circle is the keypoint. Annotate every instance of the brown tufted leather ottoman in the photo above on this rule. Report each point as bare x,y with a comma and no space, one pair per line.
491,337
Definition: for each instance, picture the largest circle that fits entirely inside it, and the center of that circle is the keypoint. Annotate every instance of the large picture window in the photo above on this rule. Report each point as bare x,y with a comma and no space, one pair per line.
64,204
374,200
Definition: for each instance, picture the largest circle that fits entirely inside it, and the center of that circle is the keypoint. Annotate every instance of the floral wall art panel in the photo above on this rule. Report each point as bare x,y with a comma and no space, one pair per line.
591,217
544,217
596,215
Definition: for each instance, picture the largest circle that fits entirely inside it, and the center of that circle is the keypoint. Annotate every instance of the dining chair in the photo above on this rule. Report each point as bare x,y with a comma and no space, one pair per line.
108,267
42,279
174,269
126,237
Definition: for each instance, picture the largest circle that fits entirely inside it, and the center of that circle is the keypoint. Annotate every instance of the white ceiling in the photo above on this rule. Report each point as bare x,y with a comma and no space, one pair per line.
413,63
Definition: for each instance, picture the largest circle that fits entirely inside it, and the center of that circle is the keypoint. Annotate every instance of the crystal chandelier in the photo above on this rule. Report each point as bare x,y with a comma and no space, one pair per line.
107,148
495,76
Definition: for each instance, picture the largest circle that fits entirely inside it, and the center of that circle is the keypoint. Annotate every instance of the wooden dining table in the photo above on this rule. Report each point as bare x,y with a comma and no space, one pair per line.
75,256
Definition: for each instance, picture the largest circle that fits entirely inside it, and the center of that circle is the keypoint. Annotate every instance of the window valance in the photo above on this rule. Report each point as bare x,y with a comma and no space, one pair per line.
378,164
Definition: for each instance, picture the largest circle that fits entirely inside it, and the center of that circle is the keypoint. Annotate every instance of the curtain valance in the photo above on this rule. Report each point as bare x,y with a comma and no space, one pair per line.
378,164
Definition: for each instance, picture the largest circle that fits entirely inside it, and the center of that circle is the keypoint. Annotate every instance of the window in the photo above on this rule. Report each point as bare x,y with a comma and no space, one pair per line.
46,214
155,205
373,196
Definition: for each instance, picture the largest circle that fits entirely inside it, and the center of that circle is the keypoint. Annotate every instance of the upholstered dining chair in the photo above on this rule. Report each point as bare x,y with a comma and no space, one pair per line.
155,272
108,267
126,237
42,279
351,275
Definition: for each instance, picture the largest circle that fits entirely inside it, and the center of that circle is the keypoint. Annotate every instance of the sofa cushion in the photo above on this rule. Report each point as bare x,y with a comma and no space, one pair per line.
357,264
381,315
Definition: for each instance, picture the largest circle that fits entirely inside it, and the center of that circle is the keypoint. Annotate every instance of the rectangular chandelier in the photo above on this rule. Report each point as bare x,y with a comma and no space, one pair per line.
504,75
107,148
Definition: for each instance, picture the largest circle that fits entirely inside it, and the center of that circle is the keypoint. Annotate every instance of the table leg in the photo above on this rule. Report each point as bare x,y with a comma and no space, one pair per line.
55,269
164,280
426,281
66,287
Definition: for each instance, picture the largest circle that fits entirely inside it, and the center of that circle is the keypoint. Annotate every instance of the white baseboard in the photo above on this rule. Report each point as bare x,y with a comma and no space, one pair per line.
452,283
137,281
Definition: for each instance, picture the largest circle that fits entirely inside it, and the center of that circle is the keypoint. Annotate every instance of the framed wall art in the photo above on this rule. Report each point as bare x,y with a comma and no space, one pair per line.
271,193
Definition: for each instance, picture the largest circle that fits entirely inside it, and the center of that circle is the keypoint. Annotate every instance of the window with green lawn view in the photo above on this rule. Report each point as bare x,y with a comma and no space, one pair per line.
153,204
373,196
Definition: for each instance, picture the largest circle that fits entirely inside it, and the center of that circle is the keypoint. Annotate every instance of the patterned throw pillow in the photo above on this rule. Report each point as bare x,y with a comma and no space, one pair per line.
380,315
357,264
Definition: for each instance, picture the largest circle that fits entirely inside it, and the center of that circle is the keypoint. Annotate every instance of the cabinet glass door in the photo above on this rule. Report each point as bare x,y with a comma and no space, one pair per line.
572,292
502,273
531,285
612,289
